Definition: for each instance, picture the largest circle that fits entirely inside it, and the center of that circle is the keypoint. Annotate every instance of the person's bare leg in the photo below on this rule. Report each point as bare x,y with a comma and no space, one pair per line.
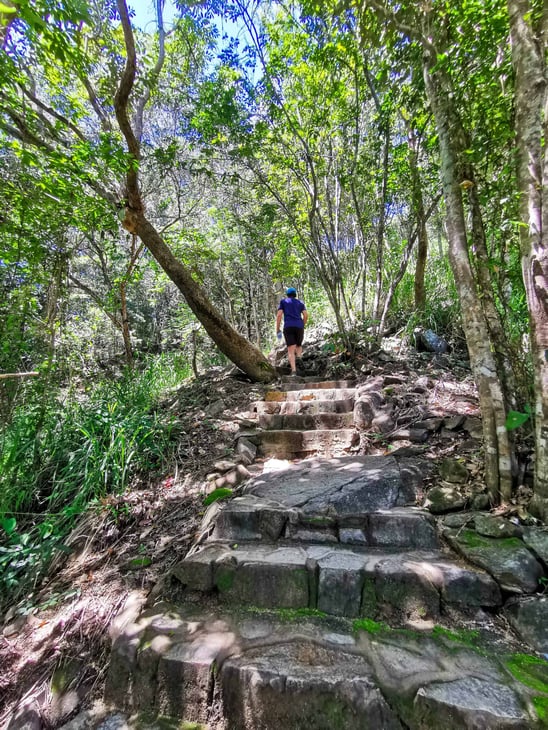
291,357
298,350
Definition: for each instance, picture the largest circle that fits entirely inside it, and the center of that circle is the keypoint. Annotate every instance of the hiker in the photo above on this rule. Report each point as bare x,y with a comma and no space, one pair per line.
294,315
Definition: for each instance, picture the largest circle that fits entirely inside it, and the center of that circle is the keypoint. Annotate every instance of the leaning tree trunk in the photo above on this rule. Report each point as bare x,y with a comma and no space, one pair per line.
239,350
231,343
498,453
528,54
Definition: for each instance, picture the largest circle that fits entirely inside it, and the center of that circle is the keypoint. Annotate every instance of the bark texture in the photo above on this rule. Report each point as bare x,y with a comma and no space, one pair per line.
528,43
498,451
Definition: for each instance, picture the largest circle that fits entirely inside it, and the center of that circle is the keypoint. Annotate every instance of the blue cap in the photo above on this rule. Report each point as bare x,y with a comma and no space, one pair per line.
290,290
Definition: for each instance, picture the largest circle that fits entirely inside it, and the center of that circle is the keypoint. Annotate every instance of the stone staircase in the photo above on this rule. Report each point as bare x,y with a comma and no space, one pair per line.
306,418
321,597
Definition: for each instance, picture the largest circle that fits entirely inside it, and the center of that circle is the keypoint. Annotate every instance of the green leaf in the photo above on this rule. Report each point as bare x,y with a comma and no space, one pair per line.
515,419
217,494
6,9
137,563
9,524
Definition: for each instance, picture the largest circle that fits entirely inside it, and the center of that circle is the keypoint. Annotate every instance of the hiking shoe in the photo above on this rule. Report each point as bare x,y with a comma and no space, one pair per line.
293,374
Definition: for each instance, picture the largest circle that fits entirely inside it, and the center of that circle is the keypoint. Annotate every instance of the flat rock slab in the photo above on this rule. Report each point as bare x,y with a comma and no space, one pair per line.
508,560
245,671
341,582
474,703
353,485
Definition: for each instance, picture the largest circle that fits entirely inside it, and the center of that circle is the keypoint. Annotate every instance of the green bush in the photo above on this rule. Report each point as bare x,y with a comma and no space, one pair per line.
57,458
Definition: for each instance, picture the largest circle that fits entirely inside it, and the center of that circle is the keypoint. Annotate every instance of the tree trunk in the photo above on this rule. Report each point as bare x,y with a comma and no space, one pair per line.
420,216
498,454
125,324
239,350
381,229
528,54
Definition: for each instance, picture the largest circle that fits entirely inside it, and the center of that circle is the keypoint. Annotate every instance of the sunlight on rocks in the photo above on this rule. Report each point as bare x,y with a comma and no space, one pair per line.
274,465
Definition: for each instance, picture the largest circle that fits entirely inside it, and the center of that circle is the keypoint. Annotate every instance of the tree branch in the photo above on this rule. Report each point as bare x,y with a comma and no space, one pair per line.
97,108
154,73
53,113
94,297
121,102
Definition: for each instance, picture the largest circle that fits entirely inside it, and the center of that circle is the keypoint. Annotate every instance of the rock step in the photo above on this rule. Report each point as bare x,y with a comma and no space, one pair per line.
306,421
312,407
345,486
310,394
274,672
317,384
293,444
248,518
339,581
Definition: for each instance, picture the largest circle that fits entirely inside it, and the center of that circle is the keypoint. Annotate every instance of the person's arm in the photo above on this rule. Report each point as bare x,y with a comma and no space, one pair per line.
305,317
279,316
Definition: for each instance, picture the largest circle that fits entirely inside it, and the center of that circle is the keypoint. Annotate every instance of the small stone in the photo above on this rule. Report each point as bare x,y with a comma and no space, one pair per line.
224,466
430,424
444,499
366,408
383,423
453,423
242,471
474,427
453,471
246,423
459,519
246,450
480,501
352,536
492,526
231,479
213,410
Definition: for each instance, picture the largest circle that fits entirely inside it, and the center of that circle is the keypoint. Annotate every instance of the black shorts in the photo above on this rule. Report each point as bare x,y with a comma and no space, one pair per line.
294,336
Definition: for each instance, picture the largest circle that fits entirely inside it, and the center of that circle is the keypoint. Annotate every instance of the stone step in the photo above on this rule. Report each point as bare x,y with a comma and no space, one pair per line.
310,394
247,671
293,444
312,407
318,384
248,518
338,581
345,486
306,421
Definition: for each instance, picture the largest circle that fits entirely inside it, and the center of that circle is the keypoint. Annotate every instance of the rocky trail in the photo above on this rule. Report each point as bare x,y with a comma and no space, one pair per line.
354,578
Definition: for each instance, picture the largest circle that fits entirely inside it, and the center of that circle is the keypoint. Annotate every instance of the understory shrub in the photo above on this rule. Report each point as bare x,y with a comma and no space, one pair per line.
58,456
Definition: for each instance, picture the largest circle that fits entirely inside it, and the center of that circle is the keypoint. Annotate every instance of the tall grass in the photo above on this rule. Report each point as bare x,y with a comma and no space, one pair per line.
57,458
